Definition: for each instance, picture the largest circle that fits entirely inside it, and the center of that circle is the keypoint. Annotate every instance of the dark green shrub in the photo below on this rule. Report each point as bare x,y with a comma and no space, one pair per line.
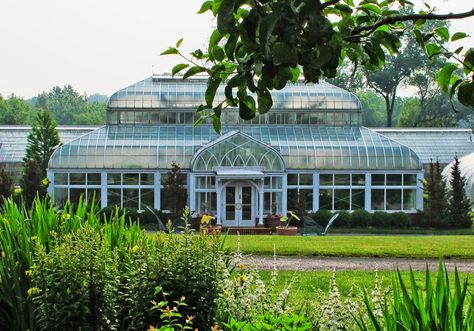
381,219
361,218
321,217
399,220
344,220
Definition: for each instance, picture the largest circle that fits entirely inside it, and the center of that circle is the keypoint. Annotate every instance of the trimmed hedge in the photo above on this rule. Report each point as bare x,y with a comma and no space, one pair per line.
362,218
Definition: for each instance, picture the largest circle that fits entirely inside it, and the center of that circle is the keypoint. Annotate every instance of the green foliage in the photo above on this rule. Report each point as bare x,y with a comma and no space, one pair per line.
32,182
322,217
373,109
170,315
390,220
459,205
41,141
268,321
14,111
361,218
435,198
343,220
6,184
429,307
174,192
259,46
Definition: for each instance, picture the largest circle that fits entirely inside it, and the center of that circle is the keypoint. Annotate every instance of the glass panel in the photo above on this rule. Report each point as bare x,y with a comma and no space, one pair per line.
147,179
292,179
342,199
77,179
378,179
201,182
114,179
267,182
409,179
358,179
60,195
147,198
60,179
94,194
358,199
130,179
378,200
130,198
164,178
113,197
325,179
394,179
342,179
76,193
394,199
325,199
409,199
211,196
230,203
306,179
292,199
246,202
267,203
93,179
305,199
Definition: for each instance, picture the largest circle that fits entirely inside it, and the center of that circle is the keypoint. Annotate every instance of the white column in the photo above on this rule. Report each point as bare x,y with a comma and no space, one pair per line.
50,177
368,192
103,189
192,193
419,191
157,184
218,201
284,184
260,202
315,191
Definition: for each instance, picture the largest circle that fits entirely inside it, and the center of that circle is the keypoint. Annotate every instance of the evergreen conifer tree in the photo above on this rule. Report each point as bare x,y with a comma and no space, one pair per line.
41,141
175,193
435,194
32,182
459,204
6,184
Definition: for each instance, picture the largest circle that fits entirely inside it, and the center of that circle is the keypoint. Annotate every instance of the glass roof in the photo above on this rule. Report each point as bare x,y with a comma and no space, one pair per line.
156,147
236,149
13,140
176,93
433,144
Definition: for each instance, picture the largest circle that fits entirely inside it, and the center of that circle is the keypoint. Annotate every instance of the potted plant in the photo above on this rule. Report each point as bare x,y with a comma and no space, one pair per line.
208,225
286,229
273,220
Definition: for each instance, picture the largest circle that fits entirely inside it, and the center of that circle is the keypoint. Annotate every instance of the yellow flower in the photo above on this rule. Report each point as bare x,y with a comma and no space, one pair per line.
206,219
242,278
45,182
52,233
3,254
28,273
33,291
134,249
17,191
34,238
66,216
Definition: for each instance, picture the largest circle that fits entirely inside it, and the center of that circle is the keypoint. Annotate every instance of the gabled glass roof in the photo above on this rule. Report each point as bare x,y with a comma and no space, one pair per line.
156,147
176,93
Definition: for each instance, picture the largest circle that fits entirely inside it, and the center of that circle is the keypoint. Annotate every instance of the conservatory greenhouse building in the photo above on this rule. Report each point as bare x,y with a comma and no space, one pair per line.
309,152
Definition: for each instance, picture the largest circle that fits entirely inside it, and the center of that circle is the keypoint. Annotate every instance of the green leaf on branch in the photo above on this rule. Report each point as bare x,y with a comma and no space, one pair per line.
466,94
170,51
225,17
213,42
458,36
468,64
432,50
212,85
193,71
247,109
265,101
444,76
177,68
284,55
179,42
443,33
207,5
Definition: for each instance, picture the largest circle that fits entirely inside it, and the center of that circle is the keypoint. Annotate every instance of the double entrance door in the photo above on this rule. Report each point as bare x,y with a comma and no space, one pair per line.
239,205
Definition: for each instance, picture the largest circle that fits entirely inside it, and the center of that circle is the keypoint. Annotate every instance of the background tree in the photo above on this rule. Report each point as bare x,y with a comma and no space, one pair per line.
459,204
174,190
261,45
41,141
435,198
32,182
6,184
14,111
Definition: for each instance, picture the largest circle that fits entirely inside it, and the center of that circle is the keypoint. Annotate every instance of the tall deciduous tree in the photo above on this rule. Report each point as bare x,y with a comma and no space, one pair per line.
459,204
174,190
435,197
42,140
261,45
14,111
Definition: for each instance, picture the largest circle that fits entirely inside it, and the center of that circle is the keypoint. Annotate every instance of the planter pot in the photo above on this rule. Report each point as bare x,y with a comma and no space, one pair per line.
287,231
272,222
214,229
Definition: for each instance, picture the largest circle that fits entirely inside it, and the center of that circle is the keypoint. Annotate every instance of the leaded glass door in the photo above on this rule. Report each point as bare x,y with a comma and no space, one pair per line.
239,205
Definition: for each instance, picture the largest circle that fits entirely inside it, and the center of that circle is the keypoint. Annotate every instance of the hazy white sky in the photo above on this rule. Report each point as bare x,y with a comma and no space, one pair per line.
104,45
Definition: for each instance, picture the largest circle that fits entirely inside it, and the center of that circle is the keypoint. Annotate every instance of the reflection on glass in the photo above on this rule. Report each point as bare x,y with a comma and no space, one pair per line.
342,199
325,199
130,198
77,178
378,200
114,179
93,179
147,199
394,199
60,178
358,199
113,197
409,199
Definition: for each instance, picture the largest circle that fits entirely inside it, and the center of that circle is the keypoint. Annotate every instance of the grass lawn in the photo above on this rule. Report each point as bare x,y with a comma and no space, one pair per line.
362,246
388,231
305,283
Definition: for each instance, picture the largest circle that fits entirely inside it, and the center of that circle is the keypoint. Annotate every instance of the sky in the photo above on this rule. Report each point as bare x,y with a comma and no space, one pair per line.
101,46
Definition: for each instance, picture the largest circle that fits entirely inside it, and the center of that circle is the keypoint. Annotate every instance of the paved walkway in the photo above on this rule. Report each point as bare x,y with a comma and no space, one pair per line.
312,263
